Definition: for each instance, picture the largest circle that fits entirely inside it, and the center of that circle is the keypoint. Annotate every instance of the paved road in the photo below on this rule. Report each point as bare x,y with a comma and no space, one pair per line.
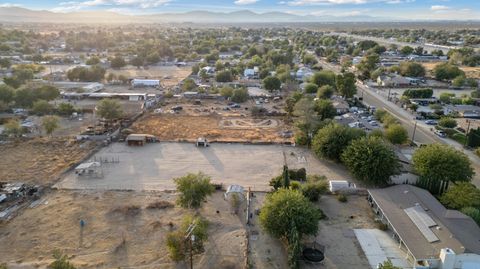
423,132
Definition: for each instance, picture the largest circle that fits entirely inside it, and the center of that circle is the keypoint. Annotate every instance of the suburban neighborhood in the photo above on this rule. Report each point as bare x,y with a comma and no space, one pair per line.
142,143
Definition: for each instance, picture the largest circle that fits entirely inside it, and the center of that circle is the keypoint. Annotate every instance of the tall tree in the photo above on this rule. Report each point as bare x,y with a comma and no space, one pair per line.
346,85
371,160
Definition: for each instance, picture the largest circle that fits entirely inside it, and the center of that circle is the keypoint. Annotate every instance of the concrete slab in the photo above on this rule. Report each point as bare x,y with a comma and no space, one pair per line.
378,246
153,166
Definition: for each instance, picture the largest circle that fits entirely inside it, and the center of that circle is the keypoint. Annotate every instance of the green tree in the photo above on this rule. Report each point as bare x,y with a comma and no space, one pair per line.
65,109
371,160
271,83
193,189
406,50
93,60
137,62
459,81
325,109
189,84
412,69
463,194
13,128
442,163
226,91
447,122
6,94
311,88
287,214
331,140
117,62
346,85
42,107
325,92
109,109
396,134
447,71
240,95
445,97
224,76
324,77
50,124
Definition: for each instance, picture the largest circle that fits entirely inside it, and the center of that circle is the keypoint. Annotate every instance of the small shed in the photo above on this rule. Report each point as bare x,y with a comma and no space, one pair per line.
140,139
234,189
339,185
202,142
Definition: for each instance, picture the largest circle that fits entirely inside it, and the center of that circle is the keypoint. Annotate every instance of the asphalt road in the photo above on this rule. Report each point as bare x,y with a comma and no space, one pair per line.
423,132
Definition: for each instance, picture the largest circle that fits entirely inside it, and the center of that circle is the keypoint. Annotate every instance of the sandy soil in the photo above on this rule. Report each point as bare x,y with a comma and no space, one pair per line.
169,75
471,72
31,238
183,127
39,160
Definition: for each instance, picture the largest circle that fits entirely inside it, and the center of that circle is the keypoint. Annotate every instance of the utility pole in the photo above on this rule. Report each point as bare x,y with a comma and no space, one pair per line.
466,133
414,129
388,97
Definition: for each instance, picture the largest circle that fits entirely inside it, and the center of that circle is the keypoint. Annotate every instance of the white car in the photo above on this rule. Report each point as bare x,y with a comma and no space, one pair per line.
440,133
373,123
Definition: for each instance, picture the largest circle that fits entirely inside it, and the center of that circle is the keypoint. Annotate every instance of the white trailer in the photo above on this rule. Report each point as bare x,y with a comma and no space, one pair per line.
145,82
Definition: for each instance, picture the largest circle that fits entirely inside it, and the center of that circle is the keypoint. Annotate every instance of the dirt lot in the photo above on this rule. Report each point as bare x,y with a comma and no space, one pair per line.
169,75
31,238
40,160
471,72
342,249
184,127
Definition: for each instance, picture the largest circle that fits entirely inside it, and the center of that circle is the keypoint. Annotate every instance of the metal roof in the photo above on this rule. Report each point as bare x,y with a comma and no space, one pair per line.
454,229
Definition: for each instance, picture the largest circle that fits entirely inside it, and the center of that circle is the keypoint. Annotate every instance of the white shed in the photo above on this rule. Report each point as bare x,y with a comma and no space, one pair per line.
145,82
237,189
338,185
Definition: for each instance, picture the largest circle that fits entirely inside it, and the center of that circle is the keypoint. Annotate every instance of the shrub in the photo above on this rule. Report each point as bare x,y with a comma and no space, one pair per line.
472,212
342,198
313,190
396,134
447,122
295,185
193,188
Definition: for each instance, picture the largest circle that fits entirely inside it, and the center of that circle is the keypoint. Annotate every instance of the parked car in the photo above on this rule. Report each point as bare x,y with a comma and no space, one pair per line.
373,123
431,122
440,133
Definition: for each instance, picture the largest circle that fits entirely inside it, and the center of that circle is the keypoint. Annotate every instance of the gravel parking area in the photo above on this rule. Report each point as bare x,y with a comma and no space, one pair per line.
153,166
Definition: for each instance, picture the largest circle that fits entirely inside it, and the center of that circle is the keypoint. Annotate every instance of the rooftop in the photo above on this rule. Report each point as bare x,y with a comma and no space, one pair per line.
453,229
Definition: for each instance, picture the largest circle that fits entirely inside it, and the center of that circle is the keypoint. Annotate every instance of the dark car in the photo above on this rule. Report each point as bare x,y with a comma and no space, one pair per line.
431,122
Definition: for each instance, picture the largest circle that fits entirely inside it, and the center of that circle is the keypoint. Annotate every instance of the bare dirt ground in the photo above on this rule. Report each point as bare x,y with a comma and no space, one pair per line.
169,75
266,252
189,128
471,72
39,160
113,237
342,249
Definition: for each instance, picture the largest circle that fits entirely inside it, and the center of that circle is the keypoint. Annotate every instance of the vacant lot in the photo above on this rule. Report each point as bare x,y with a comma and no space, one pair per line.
214,128
40,160
471,72
169,75
115,236
153,166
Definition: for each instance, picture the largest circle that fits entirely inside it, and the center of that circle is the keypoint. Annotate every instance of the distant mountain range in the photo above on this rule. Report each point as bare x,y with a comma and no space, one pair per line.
17,14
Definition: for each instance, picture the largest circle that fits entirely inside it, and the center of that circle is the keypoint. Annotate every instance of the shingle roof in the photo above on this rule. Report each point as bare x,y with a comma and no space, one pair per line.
455,230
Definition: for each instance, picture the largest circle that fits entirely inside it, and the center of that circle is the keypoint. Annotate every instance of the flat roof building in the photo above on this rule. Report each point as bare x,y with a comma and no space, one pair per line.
426,229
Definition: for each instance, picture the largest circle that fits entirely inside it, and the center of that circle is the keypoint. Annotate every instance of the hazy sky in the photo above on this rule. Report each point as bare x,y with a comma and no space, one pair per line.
407,9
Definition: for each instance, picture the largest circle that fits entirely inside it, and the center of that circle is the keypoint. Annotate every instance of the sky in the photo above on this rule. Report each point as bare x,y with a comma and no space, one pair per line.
401,9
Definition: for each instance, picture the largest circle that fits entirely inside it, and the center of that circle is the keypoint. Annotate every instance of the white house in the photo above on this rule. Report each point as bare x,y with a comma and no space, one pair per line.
145,82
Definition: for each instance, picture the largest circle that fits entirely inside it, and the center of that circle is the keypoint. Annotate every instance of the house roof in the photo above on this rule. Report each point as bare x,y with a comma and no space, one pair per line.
454,230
